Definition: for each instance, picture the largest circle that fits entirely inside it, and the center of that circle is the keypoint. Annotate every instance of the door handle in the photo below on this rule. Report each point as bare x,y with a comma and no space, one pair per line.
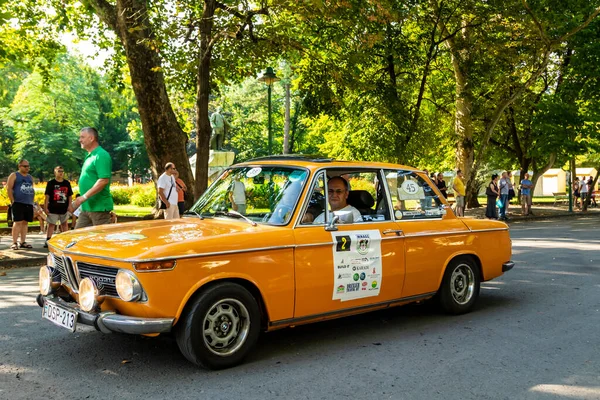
398,232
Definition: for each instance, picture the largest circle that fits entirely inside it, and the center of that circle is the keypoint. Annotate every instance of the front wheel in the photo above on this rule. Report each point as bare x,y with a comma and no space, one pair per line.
460,286
219,327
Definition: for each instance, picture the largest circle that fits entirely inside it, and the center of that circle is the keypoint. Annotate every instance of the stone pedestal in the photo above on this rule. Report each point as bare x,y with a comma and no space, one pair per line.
217,162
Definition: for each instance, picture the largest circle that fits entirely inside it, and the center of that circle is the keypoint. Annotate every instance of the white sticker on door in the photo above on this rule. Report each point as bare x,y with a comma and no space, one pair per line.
357,264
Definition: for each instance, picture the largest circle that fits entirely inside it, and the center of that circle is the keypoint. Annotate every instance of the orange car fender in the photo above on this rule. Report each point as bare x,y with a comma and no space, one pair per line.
215,278
452,257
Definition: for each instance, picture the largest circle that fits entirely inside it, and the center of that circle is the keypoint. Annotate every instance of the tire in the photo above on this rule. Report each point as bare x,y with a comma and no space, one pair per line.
219,327
460,286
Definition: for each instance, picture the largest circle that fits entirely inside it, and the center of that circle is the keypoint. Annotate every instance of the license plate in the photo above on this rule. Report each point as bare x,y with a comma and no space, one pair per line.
60,316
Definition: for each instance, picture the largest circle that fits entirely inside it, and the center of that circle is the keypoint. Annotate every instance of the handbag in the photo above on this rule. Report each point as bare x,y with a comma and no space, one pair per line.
163,206
499,203
489,191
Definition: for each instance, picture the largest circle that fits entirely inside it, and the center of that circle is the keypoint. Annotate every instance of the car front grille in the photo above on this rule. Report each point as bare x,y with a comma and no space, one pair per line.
59,264
103,277
64,265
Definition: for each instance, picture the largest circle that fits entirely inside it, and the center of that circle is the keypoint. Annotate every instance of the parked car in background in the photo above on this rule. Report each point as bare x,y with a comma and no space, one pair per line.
218,277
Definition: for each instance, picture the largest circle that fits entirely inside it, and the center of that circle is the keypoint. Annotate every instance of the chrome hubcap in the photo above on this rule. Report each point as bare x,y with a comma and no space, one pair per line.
462,284
226,326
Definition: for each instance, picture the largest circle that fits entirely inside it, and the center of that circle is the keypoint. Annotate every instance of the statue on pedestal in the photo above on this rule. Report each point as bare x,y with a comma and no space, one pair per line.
219,125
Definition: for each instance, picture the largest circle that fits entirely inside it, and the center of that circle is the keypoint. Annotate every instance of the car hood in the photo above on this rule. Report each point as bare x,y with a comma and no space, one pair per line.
170,238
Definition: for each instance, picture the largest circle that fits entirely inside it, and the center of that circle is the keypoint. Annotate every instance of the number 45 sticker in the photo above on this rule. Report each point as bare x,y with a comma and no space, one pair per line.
343,243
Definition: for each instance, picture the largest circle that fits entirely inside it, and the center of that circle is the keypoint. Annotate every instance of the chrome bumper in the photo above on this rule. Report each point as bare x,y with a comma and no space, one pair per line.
507,266
109,321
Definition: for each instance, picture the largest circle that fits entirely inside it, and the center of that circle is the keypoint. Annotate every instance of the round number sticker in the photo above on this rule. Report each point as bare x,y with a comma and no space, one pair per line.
410,187
253,172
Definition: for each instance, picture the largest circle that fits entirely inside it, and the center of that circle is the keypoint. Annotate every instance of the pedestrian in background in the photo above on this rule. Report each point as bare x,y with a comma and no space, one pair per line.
95,201
19,187
40,216
576,191
237,195
492,194
458,186
441,185
58,196
583,191
181,191
526,186
167,192
503,187
75,214
511,191
590,183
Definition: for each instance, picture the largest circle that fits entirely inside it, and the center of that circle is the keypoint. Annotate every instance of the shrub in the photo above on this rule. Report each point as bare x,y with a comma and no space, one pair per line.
363,184
39,196
121,194
263,196
145,196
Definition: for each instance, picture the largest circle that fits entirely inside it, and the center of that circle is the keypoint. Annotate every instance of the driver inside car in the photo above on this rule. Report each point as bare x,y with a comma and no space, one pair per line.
337,192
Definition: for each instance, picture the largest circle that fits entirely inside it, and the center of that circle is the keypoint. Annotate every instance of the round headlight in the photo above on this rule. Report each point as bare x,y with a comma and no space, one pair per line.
88,295
45,280
128,286
50,260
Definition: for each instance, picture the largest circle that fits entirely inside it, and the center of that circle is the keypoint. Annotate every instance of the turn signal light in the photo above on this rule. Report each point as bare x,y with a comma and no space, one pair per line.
154,266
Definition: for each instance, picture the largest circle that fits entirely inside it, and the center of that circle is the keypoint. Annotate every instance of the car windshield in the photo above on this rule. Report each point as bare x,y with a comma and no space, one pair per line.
265,194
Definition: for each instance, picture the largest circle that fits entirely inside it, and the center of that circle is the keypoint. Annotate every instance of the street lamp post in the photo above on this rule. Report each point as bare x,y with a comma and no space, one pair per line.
269,78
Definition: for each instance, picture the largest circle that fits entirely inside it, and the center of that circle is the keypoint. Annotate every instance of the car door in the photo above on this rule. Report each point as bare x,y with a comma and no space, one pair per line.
433,234
358,264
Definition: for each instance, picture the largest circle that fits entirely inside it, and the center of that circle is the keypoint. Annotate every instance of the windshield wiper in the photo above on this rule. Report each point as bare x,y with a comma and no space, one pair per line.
236,215
190,212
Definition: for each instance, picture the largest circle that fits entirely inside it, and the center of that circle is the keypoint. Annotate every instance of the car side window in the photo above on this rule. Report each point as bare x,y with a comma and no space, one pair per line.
359,196
316,201
412,196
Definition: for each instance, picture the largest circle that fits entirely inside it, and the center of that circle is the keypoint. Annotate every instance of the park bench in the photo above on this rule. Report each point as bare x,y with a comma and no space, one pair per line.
4,215
560,197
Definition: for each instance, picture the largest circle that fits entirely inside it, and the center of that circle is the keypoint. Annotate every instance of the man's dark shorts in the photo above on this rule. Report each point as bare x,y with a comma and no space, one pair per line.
22,212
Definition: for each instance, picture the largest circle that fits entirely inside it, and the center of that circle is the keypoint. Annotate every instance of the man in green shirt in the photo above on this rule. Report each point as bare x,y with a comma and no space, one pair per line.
94,183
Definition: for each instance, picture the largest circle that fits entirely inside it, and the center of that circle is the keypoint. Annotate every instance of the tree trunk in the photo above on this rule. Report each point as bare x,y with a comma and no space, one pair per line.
538,173
203,130
164,139
286,126
463,127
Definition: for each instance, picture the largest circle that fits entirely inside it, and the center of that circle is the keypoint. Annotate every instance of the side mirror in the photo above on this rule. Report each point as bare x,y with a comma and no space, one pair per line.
331,226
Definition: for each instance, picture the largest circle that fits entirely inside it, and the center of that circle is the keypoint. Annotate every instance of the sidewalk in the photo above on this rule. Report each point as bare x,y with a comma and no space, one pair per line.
23,257
37,255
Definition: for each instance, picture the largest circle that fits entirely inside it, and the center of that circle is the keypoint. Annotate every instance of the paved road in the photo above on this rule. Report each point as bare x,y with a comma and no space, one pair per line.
534,335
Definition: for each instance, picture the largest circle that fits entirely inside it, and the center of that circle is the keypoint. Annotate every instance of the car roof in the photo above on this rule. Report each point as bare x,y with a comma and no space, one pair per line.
317,162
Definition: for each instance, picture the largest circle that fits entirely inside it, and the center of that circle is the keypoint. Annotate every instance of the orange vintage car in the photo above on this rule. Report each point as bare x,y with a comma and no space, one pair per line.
273,243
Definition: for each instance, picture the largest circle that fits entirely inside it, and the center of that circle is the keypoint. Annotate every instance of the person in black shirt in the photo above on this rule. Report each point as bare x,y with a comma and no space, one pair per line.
58,197
590,183
441,184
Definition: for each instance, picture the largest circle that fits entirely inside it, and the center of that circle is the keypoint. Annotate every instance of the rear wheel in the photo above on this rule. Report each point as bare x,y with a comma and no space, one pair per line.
460,286
220,327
